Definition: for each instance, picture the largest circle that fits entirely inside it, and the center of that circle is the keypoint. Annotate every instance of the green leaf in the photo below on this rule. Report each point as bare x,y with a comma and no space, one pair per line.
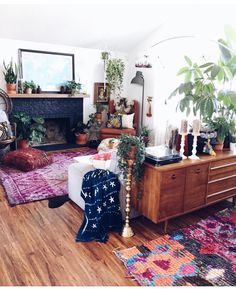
206,65
188,60
208,69
174,93
188,76
215,70
220,75
228,72
183,70
225,52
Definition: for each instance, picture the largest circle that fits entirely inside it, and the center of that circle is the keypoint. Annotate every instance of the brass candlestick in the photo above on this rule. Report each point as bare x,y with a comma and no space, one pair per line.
127,230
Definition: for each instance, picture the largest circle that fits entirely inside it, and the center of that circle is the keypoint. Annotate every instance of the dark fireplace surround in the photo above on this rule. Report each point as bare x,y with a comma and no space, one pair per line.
68,108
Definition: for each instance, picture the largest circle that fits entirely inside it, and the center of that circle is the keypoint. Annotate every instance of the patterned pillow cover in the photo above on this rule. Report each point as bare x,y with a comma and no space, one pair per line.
5,131
27,159
114,121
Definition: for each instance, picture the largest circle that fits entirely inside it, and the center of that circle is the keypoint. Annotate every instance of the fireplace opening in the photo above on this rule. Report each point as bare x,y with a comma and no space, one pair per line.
57,130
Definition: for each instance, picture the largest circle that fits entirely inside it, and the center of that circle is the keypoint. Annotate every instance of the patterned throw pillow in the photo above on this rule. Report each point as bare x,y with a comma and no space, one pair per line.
114,121
5,131
27,159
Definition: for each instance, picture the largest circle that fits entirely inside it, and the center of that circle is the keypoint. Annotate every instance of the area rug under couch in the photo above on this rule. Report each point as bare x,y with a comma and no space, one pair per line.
50,181
203,254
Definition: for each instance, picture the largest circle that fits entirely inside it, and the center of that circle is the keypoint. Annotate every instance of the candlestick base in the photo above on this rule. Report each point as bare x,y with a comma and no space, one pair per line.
127,232
193,157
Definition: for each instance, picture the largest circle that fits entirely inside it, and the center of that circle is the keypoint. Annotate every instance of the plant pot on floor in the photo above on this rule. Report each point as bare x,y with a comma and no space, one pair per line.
11,88
22,143
81,138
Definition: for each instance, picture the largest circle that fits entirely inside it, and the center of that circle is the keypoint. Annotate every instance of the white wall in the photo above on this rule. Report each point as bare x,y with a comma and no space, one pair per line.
88,64
167,58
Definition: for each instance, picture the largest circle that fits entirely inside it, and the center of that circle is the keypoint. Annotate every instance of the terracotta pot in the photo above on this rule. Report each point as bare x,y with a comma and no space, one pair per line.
219,146
11,88
110,146
22,144
99,116
132,152
81,138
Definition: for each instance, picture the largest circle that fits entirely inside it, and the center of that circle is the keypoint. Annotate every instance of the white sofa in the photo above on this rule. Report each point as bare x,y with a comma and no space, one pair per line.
76,172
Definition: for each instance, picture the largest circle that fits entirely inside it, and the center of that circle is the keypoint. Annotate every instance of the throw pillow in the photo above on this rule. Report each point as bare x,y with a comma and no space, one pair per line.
127,120
5,131
27,159
114,121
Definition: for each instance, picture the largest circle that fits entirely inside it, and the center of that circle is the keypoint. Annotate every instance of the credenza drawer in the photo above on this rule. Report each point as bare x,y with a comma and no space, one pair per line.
221,185
222,163
172,179
221,195
197,175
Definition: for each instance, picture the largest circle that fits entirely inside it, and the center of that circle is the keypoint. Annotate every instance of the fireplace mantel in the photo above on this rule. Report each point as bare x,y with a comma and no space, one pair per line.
48,95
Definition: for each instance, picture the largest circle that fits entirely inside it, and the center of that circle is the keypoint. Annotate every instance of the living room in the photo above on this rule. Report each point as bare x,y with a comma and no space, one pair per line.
111,121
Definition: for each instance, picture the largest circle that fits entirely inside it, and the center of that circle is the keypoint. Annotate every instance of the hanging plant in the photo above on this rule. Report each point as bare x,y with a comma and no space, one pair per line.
115,75
126,142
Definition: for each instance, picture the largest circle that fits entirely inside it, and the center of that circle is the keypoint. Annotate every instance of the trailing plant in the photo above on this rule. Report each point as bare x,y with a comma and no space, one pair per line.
115,75
144,134
124,147
10,73
105,55
199,90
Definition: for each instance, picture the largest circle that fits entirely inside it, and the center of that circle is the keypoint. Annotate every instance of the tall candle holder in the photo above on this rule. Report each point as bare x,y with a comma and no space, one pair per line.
194,151
182,146
183,133
195,133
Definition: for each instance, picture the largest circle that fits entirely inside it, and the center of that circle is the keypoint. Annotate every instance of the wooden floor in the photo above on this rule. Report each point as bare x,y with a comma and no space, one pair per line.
37,246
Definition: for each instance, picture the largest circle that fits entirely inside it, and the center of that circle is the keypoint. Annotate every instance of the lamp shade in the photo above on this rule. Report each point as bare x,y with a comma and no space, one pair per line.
138,79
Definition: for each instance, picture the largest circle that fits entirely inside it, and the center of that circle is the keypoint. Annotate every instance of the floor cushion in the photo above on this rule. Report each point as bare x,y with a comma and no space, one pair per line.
27,159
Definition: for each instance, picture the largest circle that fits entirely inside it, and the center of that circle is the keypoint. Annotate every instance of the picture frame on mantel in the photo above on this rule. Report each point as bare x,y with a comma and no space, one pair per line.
100,95
49,70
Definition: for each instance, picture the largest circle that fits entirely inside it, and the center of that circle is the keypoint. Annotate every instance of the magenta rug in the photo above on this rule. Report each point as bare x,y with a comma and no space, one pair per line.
50,181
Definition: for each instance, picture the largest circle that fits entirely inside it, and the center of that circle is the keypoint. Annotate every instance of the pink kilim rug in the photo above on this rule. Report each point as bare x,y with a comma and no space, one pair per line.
50,181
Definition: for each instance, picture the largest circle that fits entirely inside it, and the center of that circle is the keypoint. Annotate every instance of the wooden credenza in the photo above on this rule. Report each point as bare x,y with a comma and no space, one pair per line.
176,189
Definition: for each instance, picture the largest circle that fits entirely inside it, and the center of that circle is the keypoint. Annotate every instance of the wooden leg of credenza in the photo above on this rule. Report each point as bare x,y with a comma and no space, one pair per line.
234,201
165,226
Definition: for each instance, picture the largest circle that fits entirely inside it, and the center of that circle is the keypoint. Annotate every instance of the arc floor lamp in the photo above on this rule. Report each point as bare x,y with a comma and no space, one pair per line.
139,80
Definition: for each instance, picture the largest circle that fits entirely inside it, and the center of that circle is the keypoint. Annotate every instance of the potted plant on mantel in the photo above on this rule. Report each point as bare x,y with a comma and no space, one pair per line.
99,109
72,87
10,75
29,86
131,147
29,130
81,133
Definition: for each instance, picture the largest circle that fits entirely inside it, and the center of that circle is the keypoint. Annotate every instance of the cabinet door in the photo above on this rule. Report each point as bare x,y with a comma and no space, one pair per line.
196,186
172,193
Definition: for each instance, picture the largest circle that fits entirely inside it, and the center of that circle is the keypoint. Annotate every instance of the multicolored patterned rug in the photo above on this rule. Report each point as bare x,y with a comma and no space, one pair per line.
203,254
50,181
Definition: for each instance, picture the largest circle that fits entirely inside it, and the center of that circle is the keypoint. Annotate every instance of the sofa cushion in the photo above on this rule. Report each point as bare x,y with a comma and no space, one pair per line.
27,159
114,121
5,131
127,120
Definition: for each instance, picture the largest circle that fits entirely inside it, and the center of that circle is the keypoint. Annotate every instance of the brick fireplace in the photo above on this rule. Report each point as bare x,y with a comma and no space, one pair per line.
63,112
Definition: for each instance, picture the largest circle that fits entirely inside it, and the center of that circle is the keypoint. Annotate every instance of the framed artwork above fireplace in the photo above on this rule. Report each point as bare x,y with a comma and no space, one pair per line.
49,70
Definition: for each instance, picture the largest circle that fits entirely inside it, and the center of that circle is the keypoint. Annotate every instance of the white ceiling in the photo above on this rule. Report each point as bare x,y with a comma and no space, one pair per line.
112,27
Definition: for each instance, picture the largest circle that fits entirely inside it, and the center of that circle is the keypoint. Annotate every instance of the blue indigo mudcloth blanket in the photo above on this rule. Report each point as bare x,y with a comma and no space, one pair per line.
100,191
